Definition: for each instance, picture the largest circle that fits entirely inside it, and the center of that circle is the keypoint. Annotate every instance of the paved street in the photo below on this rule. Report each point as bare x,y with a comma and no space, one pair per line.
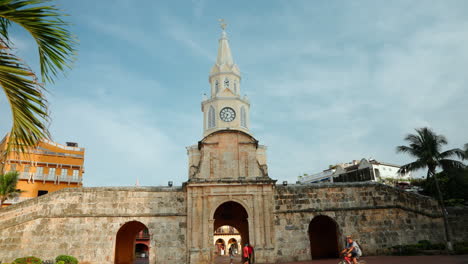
460,259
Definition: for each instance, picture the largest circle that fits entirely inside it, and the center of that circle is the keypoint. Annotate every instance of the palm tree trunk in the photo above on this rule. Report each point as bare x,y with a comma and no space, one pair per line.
448,236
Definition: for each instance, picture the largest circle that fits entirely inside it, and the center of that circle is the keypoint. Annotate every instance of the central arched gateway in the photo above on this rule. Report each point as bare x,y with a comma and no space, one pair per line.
125,242
323,234
233,214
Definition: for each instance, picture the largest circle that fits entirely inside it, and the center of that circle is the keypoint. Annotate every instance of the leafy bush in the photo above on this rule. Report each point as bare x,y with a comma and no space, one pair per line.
415,249
427,245
405,250
461,248
66,259
60,262
28,260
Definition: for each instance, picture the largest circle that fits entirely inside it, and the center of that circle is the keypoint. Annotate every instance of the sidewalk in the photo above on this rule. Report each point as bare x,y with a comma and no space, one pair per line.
439,259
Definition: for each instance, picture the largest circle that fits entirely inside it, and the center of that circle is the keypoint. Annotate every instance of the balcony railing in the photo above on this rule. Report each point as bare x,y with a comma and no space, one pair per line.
31,176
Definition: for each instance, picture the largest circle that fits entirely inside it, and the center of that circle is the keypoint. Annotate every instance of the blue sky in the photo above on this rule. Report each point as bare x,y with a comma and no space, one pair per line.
328,81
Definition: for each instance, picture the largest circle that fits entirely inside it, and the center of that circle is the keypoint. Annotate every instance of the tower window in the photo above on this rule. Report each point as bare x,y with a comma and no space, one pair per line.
216,86
226,83
243,117
211,117
235,87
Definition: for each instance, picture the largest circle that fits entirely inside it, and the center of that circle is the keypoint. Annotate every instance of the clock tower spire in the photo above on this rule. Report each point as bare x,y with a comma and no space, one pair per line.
225,108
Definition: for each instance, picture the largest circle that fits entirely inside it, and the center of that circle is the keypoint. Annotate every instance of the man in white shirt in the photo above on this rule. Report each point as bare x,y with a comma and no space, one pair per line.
352,249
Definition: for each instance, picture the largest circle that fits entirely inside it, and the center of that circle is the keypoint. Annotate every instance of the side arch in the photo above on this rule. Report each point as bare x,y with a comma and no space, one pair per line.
125,242
323,235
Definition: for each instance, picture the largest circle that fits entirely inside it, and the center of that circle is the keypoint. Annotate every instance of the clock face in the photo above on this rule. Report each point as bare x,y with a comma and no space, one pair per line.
227,114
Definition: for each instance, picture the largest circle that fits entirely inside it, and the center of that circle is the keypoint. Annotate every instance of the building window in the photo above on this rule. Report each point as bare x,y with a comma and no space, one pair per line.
51,173
42,192
226,83
211,117
216,86
64,174
40,171
76,174
13,167
235,87
243,117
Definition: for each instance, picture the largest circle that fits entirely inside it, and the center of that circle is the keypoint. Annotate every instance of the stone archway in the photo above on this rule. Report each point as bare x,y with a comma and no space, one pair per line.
233,214
323,235
125,242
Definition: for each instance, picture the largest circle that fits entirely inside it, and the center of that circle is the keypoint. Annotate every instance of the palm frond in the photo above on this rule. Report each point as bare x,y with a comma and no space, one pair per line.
448,164
451,153
27,102
413,166
4,37
44,23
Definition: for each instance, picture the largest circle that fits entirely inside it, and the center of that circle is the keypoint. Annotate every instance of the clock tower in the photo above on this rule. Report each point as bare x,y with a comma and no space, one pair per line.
225,108
228,182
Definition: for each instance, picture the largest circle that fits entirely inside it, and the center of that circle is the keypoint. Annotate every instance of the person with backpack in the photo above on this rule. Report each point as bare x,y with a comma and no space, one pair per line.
352,250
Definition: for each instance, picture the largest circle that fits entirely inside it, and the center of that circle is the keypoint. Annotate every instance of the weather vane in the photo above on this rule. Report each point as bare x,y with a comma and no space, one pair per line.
222,24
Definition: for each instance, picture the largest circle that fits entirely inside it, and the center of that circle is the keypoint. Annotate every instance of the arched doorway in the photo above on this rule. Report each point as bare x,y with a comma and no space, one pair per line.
232,215
323,235
234,244
125,244
220,247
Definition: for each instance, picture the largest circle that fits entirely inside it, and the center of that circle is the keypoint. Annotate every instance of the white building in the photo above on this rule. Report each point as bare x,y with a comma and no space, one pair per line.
363,170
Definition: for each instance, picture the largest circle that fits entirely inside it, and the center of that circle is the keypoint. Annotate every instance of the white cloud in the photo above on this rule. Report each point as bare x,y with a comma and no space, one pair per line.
122,142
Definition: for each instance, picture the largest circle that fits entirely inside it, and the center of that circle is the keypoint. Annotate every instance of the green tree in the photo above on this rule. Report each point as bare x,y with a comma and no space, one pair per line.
465,152
25,93
8,182
426,147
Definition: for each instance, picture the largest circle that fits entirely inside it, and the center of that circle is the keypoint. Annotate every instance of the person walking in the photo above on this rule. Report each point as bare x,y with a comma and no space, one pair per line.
251,254
231,254
245,254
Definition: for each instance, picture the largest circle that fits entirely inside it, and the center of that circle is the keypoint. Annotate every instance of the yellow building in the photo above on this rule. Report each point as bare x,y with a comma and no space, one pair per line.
46,168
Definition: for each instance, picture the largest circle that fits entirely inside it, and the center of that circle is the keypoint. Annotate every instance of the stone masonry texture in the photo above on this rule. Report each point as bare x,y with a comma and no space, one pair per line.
84,222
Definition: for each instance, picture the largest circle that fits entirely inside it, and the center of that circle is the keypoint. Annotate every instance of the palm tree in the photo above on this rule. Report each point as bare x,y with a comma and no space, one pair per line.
426,146
25,93
8,189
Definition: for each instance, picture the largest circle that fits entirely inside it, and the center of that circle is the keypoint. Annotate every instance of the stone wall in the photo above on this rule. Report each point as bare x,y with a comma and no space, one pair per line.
84,222
376,215
458,219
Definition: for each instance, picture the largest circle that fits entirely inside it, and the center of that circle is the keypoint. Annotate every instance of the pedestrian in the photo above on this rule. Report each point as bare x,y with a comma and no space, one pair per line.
231,254
251,254
245,254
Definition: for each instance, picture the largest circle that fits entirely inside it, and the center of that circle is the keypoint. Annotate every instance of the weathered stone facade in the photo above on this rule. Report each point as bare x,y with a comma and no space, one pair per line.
376,215
84,222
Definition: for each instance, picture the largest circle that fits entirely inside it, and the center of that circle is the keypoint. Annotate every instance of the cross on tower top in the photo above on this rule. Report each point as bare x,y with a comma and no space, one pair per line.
222,23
